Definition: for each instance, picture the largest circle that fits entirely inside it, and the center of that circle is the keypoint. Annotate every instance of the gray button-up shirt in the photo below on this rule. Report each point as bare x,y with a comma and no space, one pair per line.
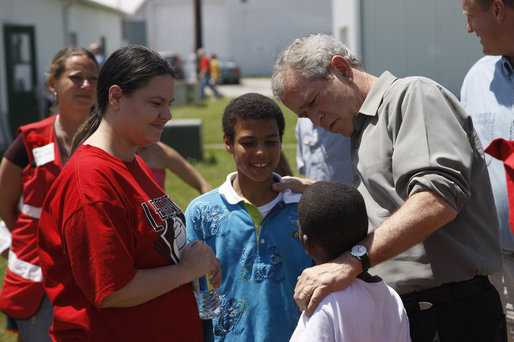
412,135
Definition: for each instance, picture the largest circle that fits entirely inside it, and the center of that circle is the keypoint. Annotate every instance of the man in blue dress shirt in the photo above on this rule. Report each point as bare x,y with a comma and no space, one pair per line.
487,94
322,155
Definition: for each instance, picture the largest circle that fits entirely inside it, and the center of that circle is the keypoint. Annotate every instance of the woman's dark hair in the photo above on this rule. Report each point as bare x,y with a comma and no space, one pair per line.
130,68
251,106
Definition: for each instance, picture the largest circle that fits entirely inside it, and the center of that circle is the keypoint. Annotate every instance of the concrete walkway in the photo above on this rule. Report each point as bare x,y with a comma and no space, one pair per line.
247,85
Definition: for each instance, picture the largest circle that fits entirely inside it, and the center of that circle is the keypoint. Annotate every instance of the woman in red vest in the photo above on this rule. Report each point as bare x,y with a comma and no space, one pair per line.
28,169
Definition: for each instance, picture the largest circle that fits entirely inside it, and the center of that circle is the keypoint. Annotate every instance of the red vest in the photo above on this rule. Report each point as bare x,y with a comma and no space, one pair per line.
23,291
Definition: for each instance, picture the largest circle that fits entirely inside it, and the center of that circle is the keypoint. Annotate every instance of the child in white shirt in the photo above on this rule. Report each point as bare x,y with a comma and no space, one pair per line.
331,219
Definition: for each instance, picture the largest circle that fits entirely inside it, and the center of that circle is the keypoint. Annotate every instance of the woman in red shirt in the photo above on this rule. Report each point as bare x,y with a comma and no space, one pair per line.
112,244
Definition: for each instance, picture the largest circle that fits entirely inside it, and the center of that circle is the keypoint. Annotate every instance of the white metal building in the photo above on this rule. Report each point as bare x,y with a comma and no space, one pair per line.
408,37
251,31
31,33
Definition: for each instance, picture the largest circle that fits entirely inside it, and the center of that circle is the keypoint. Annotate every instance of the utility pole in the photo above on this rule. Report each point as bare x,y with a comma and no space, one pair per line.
198,24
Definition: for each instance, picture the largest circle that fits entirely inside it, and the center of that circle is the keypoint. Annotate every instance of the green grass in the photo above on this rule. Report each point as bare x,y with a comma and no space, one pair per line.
214,167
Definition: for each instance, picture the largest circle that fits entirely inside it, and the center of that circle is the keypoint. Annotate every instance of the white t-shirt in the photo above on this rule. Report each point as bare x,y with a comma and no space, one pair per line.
264,209
361,312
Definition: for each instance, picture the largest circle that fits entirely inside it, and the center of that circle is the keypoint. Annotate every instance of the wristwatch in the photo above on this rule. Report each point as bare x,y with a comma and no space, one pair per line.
361,253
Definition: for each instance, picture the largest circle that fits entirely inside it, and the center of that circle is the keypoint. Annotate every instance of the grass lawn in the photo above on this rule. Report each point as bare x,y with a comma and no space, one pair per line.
214,167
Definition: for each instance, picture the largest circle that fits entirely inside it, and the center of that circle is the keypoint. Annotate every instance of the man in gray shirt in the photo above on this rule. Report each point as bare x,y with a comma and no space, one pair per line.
420,167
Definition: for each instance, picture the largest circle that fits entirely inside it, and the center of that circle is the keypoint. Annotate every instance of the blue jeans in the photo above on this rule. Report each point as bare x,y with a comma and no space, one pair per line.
35,328
206,82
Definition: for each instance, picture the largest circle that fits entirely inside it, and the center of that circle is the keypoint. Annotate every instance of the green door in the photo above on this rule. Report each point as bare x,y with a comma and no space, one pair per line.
20,59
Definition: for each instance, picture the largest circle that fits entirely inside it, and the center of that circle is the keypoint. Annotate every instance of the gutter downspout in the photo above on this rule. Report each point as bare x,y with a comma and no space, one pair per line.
360,34
65,21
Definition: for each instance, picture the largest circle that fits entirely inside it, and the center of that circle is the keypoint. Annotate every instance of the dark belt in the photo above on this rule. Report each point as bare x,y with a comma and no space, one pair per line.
424,300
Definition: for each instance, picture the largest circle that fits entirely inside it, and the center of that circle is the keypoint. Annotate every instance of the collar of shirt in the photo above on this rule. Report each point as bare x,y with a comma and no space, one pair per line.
506,67
373,99
227,191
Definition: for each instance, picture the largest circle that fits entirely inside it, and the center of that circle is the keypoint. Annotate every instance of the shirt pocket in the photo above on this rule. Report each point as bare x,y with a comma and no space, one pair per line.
484,126
380,184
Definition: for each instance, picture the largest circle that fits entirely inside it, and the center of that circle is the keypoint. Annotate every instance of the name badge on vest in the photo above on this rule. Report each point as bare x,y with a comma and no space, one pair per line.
44,154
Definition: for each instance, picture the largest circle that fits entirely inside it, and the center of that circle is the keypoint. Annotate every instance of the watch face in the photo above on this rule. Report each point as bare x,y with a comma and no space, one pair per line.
359,250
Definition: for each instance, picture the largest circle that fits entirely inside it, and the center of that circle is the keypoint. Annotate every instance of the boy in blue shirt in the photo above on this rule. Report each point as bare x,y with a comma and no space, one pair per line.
252,229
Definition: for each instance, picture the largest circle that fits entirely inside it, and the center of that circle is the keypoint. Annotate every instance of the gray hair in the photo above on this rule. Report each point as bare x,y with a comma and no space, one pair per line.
310,58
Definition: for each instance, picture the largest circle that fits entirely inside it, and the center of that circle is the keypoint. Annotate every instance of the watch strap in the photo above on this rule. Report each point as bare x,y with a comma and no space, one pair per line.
364,259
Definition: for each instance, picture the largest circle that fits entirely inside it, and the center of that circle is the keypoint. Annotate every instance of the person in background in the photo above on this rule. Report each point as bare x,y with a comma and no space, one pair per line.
419,165
486,94
28,169
215,70
331,219
204,75
322,155
112,244
97,50
252,229
160,157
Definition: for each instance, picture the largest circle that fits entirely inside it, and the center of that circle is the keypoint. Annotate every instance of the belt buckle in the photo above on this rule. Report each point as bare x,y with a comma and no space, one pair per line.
425,305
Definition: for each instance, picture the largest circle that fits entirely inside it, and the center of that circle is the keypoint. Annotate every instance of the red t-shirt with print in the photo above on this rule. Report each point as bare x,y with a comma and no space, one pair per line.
102,221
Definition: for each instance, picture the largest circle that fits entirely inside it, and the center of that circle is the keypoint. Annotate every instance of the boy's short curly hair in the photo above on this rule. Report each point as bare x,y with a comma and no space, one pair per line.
333,215
251,106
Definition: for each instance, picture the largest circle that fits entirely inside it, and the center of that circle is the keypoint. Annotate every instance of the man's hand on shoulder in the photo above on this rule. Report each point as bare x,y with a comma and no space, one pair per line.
296,184
316,282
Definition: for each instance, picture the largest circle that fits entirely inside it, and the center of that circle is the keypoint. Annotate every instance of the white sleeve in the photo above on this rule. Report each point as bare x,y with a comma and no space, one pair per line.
319,327
5,237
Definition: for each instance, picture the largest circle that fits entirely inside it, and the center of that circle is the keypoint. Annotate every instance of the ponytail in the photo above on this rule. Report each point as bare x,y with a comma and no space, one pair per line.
85,130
